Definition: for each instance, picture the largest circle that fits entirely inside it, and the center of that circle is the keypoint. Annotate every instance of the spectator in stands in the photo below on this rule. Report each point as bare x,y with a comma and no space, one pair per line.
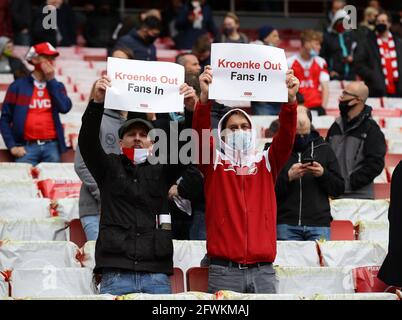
368,24
8,62
141,41
358,142
312,72
30,123
310,176
194,20
63,33
89,203
269,36
336,6
390,271
231,34
338,48
202,50
133,252
6,27
378,60
190,62
241,224
100,24
21,11
375,4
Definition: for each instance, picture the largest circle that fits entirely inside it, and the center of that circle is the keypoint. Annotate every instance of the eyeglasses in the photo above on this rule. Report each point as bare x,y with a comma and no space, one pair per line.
345,93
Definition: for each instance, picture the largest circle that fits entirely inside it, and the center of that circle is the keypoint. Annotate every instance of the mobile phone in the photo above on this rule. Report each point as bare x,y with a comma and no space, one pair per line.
309,160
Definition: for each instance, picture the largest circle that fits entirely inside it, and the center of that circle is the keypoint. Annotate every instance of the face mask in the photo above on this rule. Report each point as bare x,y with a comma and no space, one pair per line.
313,53
239,140
344,107
136,156
301,142
228,31
175,116
7,53
381,27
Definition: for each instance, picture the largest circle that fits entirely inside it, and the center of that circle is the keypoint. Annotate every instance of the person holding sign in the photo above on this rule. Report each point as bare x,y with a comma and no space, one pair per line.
134,250
240,192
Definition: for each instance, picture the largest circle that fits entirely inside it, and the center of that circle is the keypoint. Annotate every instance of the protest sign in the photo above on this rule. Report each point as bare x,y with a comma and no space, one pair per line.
248,72
144,86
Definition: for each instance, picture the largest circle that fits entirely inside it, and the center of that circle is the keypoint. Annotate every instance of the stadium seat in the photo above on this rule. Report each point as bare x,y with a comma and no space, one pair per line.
382,178
308,281
48,229
38,208
197,279
159,297
67,208
88,254
77,234
15,171
365,280
373,230
187,254
18,189
51,281
232,295
392,160
342,230
60,189
80,297
356,296
56,171
351,253
382,190
297,254
38,254
4,286
177,280
358,209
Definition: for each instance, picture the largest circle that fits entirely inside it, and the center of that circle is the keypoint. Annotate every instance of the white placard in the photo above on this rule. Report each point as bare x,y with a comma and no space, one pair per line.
248,72
144,86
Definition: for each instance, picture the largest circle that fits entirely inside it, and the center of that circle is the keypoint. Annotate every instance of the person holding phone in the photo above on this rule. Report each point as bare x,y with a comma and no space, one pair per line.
310,176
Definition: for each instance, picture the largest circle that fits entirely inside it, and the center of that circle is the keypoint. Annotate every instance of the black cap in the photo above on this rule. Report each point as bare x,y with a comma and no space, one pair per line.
131,123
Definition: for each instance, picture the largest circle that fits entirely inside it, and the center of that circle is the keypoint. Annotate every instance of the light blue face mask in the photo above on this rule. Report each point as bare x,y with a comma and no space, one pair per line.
239,140
313,53
176,116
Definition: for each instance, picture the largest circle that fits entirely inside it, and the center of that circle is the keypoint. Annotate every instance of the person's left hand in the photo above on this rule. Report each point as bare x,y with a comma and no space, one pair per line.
315,169
48,70
173,192
292,84
190,96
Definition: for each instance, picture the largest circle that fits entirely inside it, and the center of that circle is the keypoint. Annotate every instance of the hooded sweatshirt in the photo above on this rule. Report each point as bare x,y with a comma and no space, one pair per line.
241,223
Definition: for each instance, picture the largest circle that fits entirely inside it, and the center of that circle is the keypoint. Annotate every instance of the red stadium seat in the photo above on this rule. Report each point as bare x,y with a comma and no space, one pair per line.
342,230
382,190
392,160
197,279
77,234
365,280
177,280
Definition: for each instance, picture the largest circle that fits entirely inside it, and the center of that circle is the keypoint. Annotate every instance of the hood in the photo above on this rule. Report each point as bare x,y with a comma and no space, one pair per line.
236,157
3,42
340,14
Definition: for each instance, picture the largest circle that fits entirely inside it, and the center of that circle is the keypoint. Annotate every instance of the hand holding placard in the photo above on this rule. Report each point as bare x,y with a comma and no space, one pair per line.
100,89
205,81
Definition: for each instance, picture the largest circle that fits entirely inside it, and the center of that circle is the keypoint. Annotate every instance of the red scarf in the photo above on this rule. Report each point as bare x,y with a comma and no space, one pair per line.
389,62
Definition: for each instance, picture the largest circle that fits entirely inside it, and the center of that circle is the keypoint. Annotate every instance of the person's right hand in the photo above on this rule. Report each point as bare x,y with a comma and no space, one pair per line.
100,89
18,152
205,81
296,171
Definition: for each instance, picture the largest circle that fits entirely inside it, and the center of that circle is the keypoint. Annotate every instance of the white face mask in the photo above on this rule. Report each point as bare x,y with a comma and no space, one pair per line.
239,140
136,155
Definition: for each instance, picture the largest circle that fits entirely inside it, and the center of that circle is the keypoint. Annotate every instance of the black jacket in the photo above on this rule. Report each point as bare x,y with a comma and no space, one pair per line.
332,52
305,201
360,148
141,49
21,11
368,65
390,271
131,197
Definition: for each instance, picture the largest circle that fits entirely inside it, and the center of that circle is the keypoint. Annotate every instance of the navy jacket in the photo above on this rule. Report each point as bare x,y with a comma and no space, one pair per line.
16,106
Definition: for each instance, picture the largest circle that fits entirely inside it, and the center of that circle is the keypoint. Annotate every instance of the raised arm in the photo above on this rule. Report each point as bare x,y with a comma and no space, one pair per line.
282,142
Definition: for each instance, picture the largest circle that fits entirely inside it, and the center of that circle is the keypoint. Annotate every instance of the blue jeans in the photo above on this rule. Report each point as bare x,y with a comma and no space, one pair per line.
197,229
90,224
302,233
120,282
36,153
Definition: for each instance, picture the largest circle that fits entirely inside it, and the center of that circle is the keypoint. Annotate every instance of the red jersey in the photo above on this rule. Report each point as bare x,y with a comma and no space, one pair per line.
311,74
39,124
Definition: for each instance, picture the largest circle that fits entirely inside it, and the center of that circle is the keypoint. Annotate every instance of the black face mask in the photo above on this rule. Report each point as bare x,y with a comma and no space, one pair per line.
228,31
344,107
381,27
301,143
